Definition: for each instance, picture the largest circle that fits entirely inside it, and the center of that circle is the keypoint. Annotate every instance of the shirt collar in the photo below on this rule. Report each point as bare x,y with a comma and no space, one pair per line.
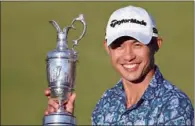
149,93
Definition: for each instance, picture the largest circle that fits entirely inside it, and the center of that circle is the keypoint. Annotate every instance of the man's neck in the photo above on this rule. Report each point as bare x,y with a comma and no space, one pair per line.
134,91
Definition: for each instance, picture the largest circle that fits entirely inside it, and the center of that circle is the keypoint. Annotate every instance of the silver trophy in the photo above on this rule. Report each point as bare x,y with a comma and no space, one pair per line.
61,69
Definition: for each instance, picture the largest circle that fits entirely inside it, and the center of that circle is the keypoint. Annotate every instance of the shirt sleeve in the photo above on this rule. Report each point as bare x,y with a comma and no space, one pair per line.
177,111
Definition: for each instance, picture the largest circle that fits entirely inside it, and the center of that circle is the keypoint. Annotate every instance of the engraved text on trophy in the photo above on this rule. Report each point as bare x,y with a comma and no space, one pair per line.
55,74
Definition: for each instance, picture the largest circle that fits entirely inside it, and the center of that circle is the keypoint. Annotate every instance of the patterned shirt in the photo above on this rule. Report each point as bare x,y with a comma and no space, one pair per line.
161,104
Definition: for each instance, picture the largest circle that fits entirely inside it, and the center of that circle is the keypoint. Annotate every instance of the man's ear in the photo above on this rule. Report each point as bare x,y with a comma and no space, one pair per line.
155,44
159,42
106,47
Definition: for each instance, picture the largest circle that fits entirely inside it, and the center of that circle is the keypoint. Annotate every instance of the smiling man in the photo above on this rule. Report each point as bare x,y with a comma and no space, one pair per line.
142,96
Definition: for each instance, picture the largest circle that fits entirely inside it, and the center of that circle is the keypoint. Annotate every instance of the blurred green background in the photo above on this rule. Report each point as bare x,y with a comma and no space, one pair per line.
27,36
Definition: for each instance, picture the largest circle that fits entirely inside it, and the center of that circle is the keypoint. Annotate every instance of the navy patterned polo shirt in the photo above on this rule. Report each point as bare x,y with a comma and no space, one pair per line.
161,104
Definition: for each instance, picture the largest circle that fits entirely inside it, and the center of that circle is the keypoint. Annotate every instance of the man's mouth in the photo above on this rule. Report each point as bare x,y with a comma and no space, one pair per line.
131,66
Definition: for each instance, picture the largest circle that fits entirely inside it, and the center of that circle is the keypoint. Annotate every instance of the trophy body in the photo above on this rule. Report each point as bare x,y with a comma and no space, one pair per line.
61,73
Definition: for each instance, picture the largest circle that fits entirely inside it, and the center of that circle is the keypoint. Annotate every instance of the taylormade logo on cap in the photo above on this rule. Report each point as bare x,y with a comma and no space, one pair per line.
131,21
116,22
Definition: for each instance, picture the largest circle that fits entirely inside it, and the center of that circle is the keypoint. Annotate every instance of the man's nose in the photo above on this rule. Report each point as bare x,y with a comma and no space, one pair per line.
129,54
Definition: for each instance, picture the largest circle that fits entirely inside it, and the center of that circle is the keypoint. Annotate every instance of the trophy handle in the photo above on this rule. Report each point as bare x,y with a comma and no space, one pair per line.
82,20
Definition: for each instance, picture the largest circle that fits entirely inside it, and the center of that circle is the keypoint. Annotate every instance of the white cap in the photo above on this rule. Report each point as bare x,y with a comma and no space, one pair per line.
131,21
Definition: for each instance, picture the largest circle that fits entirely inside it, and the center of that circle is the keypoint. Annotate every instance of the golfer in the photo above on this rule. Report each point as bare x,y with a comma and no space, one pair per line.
142,96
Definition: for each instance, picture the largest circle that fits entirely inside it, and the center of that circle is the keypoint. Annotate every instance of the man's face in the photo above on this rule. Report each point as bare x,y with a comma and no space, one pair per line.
131,58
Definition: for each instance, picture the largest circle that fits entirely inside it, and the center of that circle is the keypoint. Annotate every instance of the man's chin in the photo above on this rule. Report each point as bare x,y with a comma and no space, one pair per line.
135,79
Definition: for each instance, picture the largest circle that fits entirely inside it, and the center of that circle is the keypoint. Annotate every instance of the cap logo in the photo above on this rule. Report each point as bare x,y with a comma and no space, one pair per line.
119,22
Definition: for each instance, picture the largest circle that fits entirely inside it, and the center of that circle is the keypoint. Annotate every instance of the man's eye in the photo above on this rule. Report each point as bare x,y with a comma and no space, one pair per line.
137,44
119,47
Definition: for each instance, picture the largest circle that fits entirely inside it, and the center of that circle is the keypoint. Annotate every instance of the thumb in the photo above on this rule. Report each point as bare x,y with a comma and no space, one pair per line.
47,92
70,104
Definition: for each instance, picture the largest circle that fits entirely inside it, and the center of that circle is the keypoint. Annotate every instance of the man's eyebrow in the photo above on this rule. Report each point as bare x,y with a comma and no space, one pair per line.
136,41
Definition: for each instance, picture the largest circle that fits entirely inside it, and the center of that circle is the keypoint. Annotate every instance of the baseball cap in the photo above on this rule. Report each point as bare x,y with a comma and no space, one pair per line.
131,21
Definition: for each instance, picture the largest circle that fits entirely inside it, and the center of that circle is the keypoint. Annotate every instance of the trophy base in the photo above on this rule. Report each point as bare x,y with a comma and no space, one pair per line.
59,119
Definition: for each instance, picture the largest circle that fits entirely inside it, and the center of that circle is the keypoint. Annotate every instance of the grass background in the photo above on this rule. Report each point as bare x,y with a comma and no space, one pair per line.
27,36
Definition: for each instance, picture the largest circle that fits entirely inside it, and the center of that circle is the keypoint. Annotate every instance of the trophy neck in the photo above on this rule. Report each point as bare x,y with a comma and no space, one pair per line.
62,41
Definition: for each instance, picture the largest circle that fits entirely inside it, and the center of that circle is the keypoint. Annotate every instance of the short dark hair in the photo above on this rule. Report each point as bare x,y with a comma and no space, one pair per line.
153,45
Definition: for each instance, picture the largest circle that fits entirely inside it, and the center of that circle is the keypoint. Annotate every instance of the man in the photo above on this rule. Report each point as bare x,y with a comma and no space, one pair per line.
142,96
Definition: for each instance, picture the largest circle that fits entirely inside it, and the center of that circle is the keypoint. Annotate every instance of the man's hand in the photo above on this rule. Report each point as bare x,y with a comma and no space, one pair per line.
53,104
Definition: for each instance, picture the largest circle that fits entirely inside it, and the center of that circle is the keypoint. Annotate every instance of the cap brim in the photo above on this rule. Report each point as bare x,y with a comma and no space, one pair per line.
141,37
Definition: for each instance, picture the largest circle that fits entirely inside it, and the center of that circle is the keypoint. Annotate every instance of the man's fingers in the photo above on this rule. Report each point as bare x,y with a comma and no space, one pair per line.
46,112
53,104
51,109
70,105
72,98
